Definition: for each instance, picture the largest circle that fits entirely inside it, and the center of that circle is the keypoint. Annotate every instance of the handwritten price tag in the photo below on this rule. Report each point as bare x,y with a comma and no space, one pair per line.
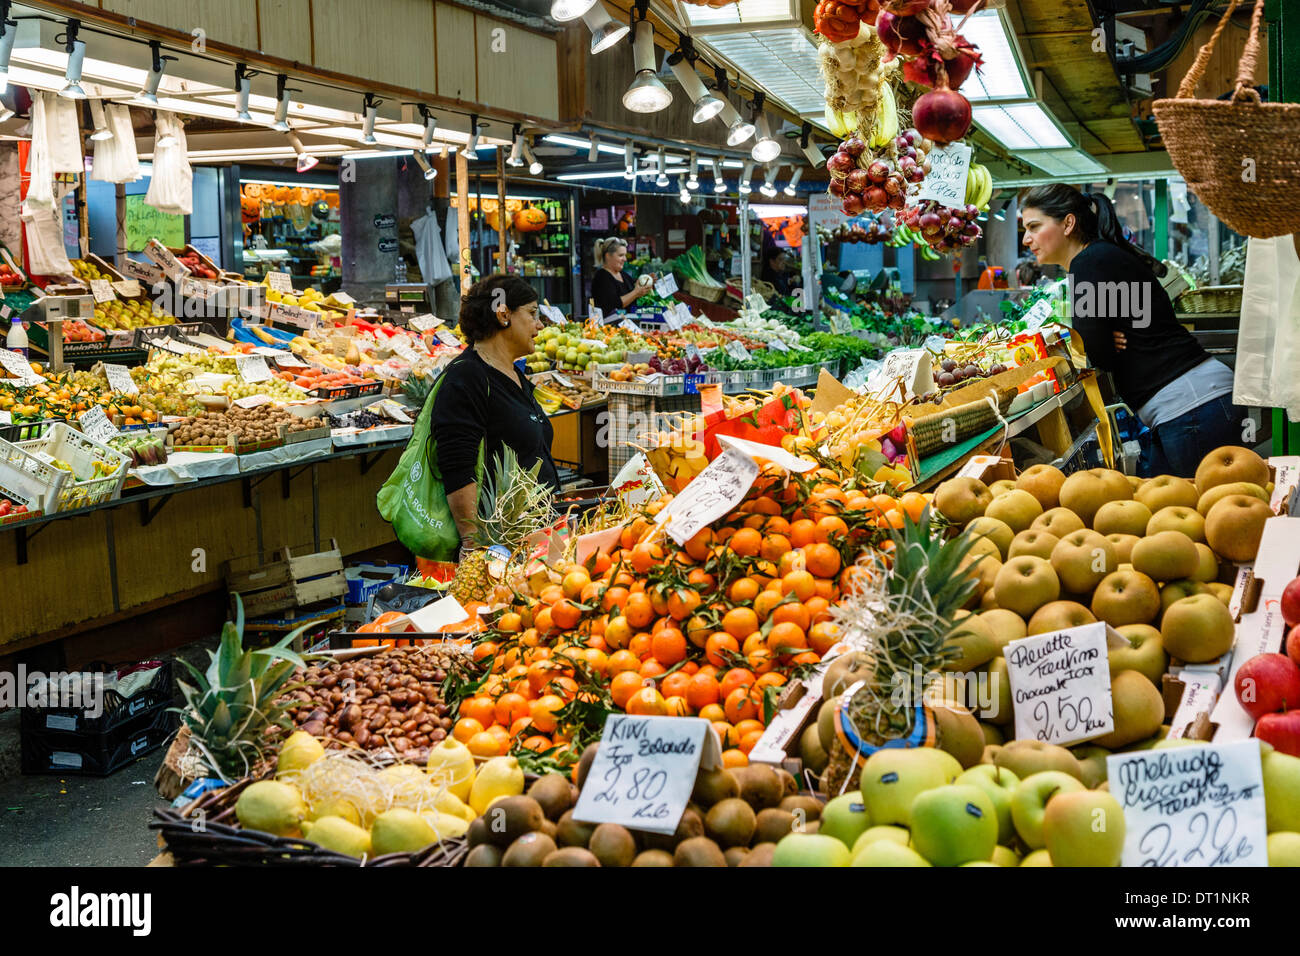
1192,805
128,288
710,495
912,366
666,285
96,426
946,183
342,298
1038,313
627,325
1060,685
102,290
289,360
252,401
280,282
119,379
405,350
424,323
777,344
19,368
597,315
756,302
738,351
769,452
253,368
447,337
644,771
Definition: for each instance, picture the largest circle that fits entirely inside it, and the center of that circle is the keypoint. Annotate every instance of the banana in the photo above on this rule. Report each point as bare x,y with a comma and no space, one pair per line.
885,126
988,189
835,120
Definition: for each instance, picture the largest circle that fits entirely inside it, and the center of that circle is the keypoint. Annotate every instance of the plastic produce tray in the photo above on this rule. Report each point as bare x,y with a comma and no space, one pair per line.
65,443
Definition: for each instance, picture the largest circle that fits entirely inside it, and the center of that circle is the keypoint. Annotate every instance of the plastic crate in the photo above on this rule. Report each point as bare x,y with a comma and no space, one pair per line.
660,387
39,334
26,431
29,480
116,709
1085,453
98,754
65,443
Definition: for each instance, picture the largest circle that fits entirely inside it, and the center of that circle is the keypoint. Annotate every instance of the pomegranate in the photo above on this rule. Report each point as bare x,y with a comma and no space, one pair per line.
903,36
942,115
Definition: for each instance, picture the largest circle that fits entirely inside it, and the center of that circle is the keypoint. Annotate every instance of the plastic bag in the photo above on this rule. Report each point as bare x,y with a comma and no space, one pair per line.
1268,322
429,250
115,160
46,255
171,186
63,135
40,194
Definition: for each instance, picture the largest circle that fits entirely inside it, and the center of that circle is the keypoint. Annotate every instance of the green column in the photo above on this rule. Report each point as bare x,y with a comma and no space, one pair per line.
1282,18
1161,243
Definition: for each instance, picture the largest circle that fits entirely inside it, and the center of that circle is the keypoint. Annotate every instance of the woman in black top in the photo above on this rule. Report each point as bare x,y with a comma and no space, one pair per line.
610,289
1118,306
484,398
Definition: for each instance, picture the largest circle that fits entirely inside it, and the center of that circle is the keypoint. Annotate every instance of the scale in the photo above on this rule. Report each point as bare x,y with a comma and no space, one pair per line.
51,310
410,297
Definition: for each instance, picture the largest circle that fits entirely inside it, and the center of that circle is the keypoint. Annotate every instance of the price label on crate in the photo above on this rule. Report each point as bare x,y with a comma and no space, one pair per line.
597,315
289,360
6,313
122,340
252,401
342,298
119,379
1060,685
1038,313
96,426
627,325
424,323
253,368
293,315
160,254
146,273
738,351
280,282
102,290
447,337
128,288
756,303
645,769
20,369
666,285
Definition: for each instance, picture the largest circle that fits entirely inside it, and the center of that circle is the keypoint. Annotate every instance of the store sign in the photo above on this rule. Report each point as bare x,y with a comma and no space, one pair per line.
946,182
102,290
293,315
20,369
1192,805
280,282
385,222
160,254
119,379
95,425
128,289
710,495
645,769
387,245
1060,685
666,285
150,275
253,368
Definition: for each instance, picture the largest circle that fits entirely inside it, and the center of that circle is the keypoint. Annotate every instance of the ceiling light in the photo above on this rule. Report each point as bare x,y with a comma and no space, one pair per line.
148,95
430,124
810,149
565,10
746,175
647,93
76,58
534,167
794,181
605,33
305,161
10,28
1020,126
471,150
281,123
693,182
629,160
705,104
423,162
102,132
769,181
1002,75
683,194
737,129
662,166
593,150
243,86
570,177
719,184
370,110
766,148
516,157
1001,214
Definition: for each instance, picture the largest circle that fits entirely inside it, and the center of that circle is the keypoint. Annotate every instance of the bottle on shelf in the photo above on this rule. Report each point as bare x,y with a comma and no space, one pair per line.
16,340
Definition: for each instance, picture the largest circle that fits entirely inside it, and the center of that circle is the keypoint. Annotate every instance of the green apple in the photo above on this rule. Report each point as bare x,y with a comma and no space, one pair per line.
1145,652
1284,849
1084,828
1030,800
1092,760
998,783
845,818
810,849
1037,858
954,824
888,853
1005,856
1281,791
892,778
870,835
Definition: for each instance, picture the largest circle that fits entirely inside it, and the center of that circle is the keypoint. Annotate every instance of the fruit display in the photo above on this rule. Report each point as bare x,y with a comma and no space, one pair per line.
11,277
76,330
85,271
65,395
575,394
9,509
121,315
571,348
873,180
239,426
194,262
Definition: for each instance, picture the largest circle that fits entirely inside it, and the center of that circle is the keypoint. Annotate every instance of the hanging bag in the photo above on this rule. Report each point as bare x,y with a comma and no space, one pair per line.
1238,155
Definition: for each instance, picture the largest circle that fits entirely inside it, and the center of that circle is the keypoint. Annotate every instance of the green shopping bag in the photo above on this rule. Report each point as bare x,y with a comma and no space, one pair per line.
414,500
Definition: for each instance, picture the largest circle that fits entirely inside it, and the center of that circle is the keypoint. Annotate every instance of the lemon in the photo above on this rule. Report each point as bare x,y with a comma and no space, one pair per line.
452,765
336,808
339,835
299,751
272,807
499,777
400,831
445,825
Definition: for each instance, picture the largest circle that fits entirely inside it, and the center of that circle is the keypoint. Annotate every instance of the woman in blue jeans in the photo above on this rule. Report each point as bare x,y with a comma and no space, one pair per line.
1128,326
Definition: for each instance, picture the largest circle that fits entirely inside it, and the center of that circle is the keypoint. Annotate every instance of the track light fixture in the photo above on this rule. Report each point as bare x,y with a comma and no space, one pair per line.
534,165
605,33
471,150
516,157
76,50
769,181
593,151
693,181
683,194
766,148
243,86
148,96
662,165
282,92
629,160
565,10
810,149
647,93
430,124
738,130
746,176
305,160
794,181
705,105
370,110
719,184
423,162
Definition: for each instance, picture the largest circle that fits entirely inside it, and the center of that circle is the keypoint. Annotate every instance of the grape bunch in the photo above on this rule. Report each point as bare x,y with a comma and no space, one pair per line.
865,181
944,229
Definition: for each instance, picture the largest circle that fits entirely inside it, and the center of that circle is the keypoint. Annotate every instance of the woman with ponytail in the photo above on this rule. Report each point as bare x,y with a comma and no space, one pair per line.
1129,329
610,289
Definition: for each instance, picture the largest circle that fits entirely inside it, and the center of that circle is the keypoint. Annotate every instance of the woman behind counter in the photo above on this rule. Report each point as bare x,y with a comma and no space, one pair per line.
484,400
610,289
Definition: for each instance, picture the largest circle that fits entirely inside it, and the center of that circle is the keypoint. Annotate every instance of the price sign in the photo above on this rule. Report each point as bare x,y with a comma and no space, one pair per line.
447,337
800,348
597,315
692,350
780,346
6,418
160,254
1060,685
19,368
150,275
96,426
253,368
404,349
756,303
710,495
289,360
738,351
119,379
1192,805
704,320
552,314
666,285
644,771
102,290
128,288
424,323
911,366
342,298
252,401
627,325
771,453
293,315
280,282
946,183
672,320
1038,313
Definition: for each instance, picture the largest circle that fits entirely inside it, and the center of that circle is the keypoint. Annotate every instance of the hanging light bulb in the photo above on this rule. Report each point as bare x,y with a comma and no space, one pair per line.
605,33
370,110
693,181
565,10
423,162
166,139
647,93
430,124
705,105
471,150
746,175
766,148
737,129
148,96
534,167
769,181
662,166
7,37
243,86
593,151
683,194
719,184
794,181
516,157
102,132
281,124
629,160
305,160
76,50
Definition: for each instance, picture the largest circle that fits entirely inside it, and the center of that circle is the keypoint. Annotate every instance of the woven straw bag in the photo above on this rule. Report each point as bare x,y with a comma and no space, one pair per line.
1238,155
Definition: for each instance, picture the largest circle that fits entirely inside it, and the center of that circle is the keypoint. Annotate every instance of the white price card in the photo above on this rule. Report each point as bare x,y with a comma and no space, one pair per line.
448,337
342,298
19,368
280,282
800,348
911,366
119,379
405,350
267,350
692,350
128,288
551,314
756,303
627,325
777,344
666,285
96,426
672,320
424,323
102,290
704,320
645,769
6,418
1038,313
946,183
738,351
289,360
1192,805
1060,685
252,401
772,453
710,495
253,368
597,315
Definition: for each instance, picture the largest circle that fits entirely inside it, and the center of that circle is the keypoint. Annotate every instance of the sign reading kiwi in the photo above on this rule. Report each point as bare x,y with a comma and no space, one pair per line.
644,771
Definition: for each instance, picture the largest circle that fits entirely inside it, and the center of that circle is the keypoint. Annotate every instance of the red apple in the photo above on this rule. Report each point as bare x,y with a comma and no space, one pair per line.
1293,644
1291,603
1267,683
1281,730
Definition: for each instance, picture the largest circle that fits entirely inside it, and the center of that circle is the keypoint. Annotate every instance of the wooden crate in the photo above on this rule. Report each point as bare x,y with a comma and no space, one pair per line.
294,577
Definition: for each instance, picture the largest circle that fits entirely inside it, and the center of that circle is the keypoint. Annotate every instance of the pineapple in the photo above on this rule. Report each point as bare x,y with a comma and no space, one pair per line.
232,705
902,617
417,388
512,507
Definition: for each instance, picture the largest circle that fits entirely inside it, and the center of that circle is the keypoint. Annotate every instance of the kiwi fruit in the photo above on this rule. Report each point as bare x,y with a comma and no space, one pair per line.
552,793
760,786
485,854
568,831
735,855
612,845
811,807
689,826
653,858
509,818
571,856
772,824
477,833
548,827
714,786
531,849
698,851
759,855
789,784
584,763
731,823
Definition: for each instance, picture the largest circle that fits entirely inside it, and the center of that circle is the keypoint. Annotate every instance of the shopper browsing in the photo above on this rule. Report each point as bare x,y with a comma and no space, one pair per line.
610,289
1127,323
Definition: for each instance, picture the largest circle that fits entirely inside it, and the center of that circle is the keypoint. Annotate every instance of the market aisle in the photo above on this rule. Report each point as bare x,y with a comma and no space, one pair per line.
79,821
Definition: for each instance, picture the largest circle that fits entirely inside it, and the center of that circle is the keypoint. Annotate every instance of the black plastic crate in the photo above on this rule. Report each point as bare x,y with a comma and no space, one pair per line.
26,431
117,710
97,754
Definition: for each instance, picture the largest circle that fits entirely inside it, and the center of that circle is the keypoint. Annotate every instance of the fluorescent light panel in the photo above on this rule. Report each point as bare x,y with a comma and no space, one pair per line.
1063,162
1001,77
1020,126
782,62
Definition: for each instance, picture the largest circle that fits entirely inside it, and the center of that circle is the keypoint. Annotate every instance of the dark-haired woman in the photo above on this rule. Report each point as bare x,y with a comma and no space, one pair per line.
483,399
1129,329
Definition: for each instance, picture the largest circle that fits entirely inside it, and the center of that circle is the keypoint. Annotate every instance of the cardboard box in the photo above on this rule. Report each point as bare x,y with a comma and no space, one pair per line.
365,580
988,469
